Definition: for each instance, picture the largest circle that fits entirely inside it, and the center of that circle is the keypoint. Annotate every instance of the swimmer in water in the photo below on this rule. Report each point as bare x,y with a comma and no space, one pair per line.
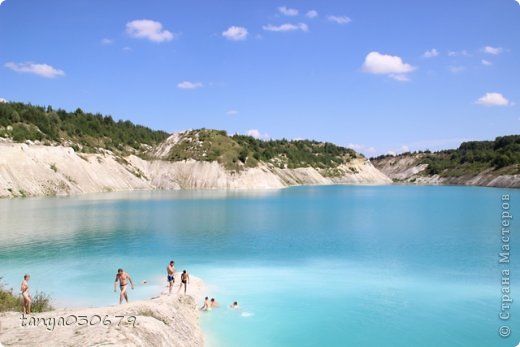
234,305
206,305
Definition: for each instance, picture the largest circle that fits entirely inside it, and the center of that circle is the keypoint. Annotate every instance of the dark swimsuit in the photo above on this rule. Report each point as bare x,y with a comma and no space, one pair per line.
171,278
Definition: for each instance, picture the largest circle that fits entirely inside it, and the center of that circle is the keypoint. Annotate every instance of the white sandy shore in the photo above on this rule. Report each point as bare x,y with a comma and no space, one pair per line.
161,321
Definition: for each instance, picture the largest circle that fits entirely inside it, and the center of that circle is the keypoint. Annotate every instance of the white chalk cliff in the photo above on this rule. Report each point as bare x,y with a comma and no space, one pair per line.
37,170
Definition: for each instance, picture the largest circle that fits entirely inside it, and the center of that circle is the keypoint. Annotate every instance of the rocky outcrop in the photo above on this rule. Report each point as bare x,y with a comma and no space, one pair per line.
409,169
162,321
36,170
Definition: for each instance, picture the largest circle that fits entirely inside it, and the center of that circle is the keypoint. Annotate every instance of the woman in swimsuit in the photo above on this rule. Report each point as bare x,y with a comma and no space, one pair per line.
25,294
122,277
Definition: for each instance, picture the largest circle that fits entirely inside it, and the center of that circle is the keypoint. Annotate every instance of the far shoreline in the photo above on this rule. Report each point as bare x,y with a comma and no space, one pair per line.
245,190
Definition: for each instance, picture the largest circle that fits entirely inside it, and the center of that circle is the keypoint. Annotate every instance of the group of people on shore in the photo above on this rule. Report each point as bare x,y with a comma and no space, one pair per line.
185,277
124,278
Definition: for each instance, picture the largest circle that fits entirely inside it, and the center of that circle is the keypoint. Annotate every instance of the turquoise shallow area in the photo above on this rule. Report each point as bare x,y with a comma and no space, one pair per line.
310,266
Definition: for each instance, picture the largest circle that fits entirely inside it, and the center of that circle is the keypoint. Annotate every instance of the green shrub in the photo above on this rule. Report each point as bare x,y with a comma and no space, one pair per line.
93,130
238,151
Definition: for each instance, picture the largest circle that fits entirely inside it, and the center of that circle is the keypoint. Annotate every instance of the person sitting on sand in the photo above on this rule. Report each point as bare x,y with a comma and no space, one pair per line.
206,306
185,279
24,288
123,279
234,305
170,269
213,303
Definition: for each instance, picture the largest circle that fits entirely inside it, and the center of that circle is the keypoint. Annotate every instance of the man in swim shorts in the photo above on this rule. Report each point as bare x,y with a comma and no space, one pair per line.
185,279
170,269
123,279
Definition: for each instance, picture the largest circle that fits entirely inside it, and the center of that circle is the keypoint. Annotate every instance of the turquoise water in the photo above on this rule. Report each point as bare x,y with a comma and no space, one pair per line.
310,266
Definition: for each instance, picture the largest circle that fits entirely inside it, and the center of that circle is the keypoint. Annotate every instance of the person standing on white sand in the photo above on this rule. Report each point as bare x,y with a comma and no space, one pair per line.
24,288
123,279
170,269
185,279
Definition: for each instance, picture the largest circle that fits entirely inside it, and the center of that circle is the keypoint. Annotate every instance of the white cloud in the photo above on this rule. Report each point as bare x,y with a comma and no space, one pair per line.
355,146
1,1
43,70
257,134
3,101
189,85
232,113
463,53
456,68
286,27
400,78
493,99
493,50
405,148
235,33
291,12
107,41
486,62
383,64
431,53
339,19
362,148
312,14
148,29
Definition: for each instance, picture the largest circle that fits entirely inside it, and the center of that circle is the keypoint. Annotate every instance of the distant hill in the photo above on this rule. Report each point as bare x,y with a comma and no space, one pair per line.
474,162
85,132
44,151
238,151
89,133
54,152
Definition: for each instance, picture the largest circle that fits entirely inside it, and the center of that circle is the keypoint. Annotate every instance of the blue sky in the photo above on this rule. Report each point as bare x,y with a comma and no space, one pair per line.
378,76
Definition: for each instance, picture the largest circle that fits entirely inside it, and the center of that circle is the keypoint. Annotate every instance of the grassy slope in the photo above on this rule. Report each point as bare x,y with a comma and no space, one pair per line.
238,151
